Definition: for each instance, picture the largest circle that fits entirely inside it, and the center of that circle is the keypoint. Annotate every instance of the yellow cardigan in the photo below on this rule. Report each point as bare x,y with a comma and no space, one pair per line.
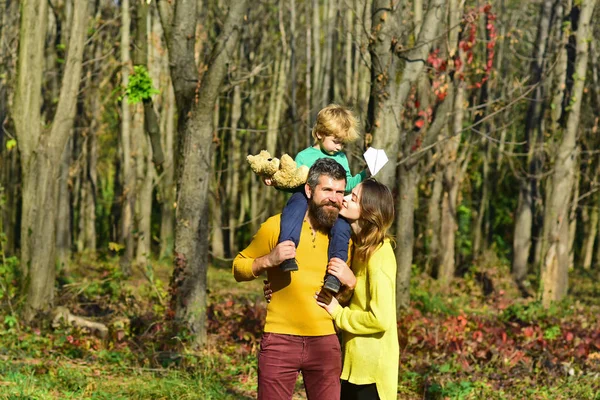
293,309
370,334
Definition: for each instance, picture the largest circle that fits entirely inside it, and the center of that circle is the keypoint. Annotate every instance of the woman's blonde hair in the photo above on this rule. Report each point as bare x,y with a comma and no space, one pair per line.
376,217
337,121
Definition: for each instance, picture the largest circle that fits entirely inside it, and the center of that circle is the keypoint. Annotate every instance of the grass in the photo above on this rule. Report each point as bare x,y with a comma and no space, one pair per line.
456,343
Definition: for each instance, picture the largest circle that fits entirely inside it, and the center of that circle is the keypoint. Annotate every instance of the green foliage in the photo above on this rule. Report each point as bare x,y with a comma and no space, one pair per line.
9,269
109,286
430,303
464,234
552,332
533,312
140,86
10,144
452,390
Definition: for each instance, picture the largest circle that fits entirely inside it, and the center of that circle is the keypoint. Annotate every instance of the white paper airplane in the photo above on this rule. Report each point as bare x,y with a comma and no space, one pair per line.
376,159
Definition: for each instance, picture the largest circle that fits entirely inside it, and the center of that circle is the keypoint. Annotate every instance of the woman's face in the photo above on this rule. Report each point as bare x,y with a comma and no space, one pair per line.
351,205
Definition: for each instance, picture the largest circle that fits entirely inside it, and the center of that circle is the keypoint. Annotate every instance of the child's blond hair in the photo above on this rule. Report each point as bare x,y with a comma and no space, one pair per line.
337,121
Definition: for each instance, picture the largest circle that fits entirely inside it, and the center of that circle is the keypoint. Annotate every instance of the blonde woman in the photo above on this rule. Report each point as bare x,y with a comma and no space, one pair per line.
368,323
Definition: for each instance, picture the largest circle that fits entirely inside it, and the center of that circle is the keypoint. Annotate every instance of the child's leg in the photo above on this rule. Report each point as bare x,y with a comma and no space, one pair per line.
292,218
338,247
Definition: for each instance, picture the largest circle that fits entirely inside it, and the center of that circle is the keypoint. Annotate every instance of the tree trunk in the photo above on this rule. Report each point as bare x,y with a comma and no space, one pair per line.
86,234
529,186
326,69
235,161
450,163
63,217
573,213
433,224
555,262
216,195
316,64
405,234
387,94
362,64
195,101
128,184
167,186
478,228
41,151
144,186
149,148
591,232
522,233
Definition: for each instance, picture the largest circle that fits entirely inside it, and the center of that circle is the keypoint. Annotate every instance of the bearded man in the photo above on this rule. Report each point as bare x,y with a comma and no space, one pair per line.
299,336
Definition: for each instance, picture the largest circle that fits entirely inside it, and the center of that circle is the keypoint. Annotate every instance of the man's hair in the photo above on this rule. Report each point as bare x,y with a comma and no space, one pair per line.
376,217
337,121
325,166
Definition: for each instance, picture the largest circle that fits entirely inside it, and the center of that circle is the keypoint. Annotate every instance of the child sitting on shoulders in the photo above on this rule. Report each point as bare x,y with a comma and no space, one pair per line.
335,127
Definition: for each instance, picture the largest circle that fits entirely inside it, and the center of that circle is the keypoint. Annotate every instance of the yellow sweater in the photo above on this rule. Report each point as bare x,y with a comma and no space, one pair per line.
293,309
370,334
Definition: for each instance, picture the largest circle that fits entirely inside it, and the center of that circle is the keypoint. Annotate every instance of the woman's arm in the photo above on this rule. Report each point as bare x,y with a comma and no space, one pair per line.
380,311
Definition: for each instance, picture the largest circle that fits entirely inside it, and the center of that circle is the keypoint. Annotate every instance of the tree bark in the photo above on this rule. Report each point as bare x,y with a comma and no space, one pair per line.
235,161
573,213
387,94
529,186
167,184
195,101
591,232
128,176
41,151
432,231
63,217
555,262
407,189
450,162
147,123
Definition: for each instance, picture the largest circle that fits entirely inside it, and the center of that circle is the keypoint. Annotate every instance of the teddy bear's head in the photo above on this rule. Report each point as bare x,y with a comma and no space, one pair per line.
263,164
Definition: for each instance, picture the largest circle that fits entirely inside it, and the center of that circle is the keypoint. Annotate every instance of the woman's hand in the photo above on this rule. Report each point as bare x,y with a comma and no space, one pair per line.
268,293
338,268
327,301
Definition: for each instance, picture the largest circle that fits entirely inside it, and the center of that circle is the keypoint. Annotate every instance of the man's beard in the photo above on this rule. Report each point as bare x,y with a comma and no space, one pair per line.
322,217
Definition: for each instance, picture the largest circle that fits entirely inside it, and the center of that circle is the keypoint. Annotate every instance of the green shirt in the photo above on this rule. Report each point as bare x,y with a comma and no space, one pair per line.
309,155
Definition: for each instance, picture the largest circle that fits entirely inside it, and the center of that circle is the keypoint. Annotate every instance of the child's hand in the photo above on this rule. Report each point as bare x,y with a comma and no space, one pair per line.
268,181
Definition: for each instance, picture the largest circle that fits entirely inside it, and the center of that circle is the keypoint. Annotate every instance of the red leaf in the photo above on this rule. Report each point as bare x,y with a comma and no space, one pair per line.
419,123
528,332
569,336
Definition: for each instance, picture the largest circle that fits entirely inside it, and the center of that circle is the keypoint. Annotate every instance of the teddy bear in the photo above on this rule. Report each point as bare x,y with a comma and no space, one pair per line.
284,173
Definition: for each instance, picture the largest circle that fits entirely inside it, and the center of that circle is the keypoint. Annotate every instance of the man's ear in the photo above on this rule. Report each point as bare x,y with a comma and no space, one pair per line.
307,190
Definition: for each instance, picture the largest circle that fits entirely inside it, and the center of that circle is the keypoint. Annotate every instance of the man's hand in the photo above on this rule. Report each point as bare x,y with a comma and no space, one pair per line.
338,268
267,291
283,251
327,301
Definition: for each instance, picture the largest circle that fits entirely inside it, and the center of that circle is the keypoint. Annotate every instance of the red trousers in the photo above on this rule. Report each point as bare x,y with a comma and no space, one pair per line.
281,357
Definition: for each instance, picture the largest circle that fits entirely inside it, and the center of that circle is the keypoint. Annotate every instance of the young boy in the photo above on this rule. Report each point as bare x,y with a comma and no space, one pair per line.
335,127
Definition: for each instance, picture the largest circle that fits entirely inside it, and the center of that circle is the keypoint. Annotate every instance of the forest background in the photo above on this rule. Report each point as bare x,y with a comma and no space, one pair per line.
125,194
